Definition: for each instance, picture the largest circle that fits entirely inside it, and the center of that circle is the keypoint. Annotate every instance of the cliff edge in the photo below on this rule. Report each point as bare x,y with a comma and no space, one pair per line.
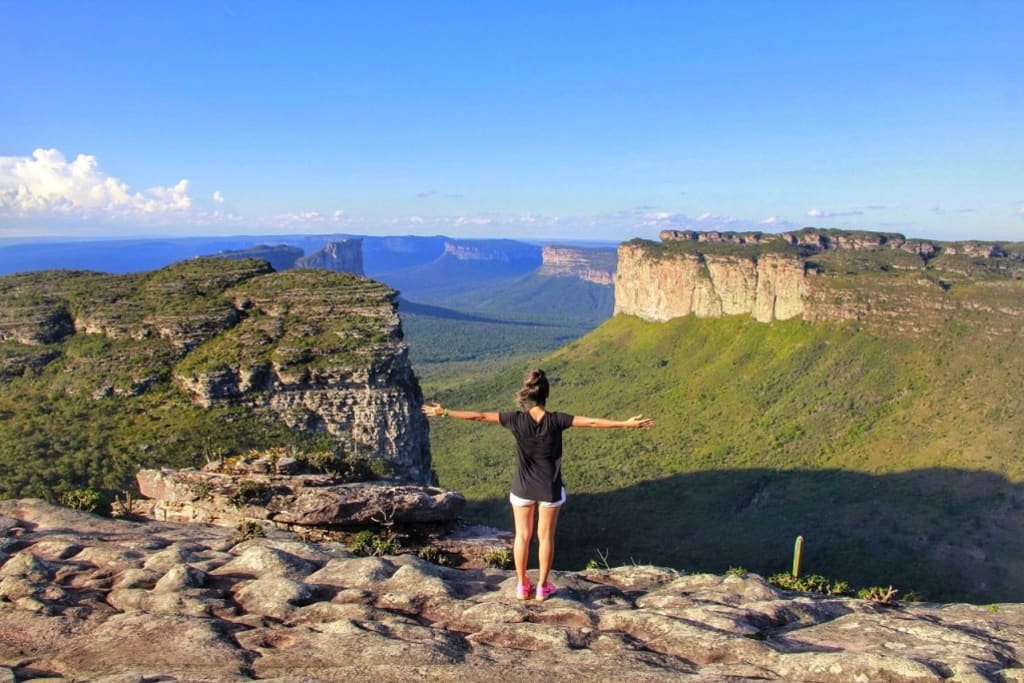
818,275
89,598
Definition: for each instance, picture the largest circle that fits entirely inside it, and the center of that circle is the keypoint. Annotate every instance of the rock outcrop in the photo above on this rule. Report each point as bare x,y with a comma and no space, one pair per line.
313,350
589,265
769,288
340,256
817,275
291,501
89,598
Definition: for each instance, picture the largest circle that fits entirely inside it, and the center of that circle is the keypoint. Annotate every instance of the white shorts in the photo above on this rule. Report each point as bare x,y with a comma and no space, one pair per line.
525,502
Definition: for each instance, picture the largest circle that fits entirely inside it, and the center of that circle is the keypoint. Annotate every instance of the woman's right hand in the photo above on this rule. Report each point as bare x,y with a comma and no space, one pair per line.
639,422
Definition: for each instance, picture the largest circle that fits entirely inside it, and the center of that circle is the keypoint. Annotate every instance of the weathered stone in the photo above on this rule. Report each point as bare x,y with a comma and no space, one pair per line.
273,596
293,500
283,609
142,641
257,561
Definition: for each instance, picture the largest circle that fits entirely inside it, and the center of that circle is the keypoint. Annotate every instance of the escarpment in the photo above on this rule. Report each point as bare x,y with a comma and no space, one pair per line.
216,356
879,279
589,265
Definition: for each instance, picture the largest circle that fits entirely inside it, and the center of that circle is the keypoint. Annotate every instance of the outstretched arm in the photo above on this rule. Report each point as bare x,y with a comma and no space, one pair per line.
436,410
635,422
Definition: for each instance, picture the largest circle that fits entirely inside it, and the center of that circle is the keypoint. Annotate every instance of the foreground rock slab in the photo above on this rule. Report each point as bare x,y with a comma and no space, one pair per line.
86,598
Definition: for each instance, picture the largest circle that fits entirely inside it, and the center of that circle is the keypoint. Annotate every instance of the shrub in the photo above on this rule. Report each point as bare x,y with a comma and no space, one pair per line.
811,583
431,553
250,493
367,542
88,499
499,559
247,530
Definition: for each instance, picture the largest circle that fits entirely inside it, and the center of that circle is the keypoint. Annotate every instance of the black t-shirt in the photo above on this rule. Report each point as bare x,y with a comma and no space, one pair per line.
538,453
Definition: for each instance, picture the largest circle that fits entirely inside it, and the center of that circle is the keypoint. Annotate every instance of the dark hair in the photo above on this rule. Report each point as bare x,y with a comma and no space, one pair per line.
534,391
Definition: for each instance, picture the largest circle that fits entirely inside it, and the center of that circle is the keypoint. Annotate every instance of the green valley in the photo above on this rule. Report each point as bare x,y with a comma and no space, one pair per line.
897,457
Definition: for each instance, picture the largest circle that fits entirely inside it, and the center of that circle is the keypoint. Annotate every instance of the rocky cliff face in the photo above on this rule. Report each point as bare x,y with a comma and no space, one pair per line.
771,287
341,256
497,251
88,598
319,351
323,352
817,275
589,265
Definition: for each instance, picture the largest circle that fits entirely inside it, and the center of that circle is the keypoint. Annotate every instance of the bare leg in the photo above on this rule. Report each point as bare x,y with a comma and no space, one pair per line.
524,533
547,520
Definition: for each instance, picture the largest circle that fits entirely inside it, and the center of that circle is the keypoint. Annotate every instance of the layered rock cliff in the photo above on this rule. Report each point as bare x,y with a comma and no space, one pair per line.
88,598
589,265
818,275
340,256
319,352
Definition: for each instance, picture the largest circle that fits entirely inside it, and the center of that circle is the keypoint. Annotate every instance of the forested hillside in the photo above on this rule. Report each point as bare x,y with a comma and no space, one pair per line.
898,458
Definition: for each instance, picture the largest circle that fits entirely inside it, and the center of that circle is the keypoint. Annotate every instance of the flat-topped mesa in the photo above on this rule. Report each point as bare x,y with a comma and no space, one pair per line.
497,250
312,350
589,265
818,275
814,239
340,256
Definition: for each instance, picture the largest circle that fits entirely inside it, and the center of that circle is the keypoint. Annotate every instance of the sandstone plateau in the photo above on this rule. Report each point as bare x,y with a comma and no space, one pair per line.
86,598
882,280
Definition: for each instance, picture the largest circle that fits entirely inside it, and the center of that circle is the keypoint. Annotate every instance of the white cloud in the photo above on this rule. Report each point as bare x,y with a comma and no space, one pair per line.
47,182
218,197
771,220
426,193
822,213
472,220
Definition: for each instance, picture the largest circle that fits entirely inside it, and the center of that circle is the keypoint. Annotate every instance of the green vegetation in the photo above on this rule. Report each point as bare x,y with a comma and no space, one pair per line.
500,559
858,440
86,408
375,544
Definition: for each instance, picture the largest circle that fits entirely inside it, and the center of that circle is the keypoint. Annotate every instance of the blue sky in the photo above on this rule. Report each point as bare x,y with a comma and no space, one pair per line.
594,120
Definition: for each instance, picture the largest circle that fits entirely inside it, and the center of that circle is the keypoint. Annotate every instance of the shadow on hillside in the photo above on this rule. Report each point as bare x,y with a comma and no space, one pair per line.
947,534
407,307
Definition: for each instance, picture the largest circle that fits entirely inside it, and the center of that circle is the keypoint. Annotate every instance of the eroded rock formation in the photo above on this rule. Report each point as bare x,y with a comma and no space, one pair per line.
818,275
341,256
589,265
89,598
317,350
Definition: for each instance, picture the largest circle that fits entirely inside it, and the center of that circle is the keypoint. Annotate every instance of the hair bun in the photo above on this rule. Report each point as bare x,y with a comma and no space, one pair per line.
535,388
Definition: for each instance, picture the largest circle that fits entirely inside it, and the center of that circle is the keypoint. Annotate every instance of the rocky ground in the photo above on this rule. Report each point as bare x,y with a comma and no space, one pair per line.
86,598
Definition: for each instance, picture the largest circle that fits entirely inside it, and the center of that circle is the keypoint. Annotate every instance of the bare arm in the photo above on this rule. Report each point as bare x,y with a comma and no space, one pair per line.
635,422
436,410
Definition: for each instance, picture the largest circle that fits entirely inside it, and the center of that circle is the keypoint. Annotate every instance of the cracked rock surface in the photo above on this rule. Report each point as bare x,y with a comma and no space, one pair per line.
85,598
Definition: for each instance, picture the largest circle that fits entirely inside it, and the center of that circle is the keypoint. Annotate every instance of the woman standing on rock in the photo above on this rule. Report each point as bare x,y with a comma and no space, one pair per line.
537,483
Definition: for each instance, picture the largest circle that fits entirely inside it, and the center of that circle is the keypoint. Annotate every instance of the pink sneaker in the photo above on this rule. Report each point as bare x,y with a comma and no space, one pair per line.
545,591
523,591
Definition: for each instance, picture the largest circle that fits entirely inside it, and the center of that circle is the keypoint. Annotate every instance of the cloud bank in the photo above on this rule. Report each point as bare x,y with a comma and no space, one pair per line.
47,183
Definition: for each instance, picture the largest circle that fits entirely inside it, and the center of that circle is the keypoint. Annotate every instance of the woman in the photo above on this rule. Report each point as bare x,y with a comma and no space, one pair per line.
537,489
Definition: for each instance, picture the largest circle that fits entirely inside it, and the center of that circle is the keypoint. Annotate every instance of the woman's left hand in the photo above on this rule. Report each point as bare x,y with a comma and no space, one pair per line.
640,422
